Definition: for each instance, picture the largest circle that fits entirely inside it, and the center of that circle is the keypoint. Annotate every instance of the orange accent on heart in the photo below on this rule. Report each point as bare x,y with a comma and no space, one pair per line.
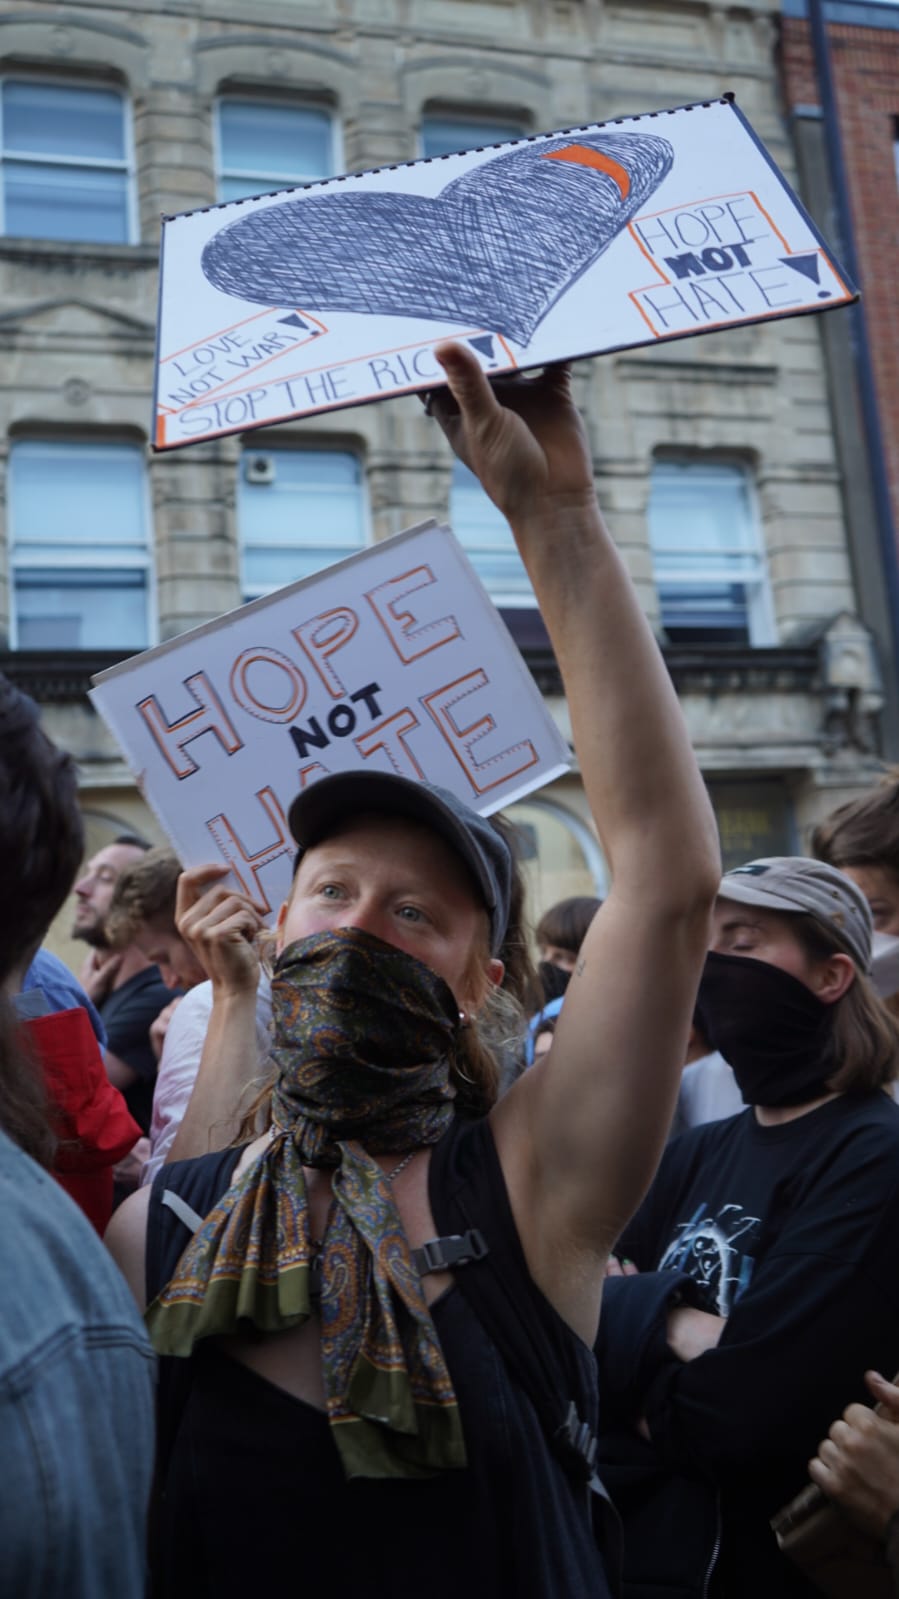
585,157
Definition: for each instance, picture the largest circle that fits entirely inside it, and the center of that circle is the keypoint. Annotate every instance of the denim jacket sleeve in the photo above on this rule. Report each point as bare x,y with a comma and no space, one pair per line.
76,1401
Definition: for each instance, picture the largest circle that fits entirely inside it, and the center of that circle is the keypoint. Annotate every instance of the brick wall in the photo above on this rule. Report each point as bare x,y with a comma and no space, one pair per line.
866,73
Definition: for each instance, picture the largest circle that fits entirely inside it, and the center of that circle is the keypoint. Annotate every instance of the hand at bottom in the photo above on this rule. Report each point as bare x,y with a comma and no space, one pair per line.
692,1332
858,1462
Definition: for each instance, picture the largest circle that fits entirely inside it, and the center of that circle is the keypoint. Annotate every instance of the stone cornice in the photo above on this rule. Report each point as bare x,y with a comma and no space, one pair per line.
76,254
64,676
56,677
726,668
711,668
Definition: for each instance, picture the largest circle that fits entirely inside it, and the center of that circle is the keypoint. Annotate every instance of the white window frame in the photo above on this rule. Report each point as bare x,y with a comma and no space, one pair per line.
126,165
523,600
292,103
68,561
762,626
471,116
306,446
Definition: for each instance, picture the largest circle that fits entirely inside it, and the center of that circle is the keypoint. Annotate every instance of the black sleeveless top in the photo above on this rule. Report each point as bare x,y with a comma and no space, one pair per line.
251,1489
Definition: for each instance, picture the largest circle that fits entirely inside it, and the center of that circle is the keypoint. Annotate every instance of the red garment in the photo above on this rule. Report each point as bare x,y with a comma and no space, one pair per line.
90,1118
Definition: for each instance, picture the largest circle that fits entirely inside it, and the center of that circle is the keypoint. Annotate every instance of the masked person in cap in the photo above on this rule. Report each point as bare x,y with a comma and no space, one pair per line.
356,1406
862,839
761,1275
559,936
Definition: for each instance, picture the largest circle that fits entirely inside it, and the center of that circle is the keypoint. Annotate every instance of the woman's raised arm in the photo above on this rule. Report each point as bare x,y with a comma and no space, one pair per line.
580,1134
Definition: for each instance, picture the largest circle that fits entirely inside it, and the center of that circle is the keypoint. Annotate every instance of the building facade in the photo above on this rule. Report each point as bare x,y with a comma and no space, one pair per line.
840,70
715,457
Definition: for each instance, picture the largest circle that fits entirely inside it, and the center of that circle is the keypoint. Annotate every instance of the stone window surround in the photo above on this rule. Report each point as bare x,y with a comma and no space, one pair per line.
467,494
748,464
53,433
275,64
263,443
11,73
237,91
88,79
476,116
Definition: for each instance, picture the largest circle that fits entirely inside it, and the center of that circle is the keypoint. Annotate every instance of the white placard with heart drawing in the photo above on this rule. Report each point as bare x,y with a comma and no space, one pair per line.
393,660
543,249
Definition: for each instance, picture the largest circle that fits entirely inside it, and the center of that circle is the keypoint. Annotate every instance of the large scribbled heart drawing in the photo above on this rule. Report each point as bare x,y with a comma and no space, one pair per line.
496,248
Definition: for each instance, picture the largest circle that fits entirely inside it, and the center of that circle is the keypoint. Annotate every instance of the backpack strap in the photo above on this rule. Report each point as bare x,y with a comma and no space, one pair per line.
545,1357
445,1254
181,1197
468,1193
185,1213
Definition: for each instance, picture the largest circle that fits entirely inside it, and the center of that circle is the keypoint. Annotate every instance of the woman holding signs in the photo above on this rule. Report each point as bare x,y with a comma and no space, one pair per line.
347,1319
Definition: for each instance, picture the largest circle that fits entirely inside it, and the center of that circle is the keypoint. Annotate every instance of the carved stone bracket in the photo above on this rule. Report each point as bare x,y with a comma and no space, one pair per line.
851,685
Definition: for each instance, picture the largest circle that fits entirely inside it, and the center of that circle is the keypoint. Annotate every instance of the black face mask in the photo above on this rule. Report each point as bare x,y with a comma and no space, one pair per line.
553,980
772,1030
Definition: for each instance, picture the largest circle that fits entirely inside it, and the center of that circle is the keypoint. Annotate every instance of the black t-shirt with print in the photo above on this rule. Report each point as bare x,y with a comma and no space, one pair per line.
730,1192
706,1209
791,1232
128,1013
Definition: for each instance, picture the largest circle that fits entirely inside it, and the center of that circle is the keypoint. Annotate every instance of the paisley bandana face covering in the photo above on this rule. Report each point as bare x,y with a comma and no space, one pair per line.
363,1038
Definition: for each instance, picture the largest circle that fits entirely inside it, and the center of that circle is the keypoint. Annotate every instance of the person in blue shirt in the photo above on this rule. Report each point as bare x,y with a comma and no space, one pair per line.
76,1369
49,976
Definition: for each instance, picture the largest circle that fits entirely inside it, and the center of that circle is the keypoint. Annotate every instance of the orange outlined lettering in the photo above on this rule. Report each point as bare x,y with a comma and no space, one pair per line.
322,637
312,773
246,866
493,769
249,698
410,637
209,717
390,736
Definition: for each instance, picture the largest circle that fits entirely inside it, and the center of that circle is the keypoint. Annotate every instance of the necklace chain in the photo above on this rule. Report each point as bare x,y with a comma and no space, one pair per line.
316,1243
402,1165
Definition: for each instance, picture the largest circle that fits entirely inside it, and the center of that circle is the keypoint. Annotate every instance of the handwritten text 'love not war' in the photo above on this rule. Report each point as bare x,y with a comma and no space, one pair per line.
230,357
212,370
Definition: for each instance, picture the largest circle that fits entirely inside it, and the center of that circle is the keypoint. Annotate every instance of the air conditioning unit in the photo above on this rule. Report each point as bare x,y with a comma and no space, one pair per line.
260,469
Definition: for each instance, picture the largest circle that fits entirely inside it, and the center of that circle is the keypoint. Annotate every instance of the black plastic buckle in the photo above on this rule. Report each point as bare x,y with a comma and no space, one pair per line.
442,1254
575,1444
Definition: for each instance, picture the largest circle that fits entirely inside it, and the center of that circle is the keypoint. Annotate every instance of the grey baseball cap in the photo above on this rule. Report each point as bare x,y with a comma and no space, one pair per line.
319,808
794,883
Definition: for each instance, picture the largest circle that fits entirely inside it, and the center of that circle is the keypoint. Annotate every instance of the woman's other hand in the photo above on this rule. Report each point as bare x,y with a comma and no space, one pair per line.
693,1332
160,1026
221,928
522,437
621,1268
858,1462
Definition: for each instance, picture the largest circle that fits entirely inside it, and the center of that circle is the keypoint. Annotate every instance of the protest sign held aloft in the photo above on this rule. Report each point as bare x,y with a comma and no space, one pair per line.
542,249
394,660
